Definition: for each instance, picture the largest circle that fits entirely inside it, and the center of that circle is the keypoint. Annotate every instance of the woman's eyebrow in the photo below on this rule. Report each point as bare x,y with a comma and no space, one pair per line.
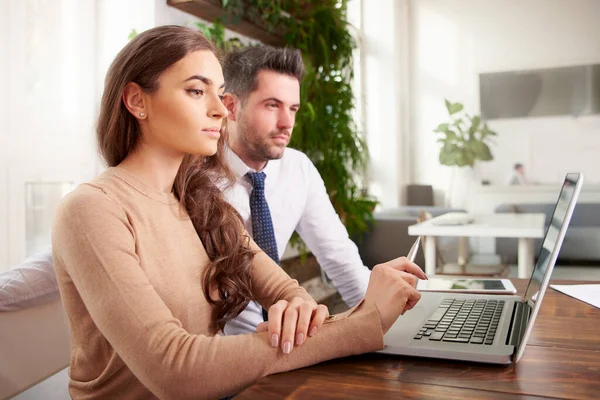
204,79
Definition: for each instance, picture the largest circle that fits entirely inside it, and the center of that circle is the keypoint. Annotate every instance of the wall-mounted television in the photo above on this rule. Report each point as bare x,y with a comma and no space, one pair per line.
542,92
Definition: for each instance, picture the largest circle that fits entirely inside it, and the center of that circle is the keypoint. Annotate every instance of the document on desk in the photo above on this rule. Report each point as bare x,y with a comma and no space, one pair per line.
587,293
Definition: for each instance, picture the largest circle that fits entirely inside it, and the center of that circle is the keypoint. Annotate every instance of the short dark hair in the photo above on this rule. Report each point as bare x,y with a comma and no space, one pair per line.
518,165
241,67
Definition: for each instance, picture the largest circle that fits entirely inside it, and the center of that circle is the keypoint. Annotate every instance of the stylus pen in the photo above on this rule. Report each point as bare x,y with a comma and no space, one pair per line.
412,254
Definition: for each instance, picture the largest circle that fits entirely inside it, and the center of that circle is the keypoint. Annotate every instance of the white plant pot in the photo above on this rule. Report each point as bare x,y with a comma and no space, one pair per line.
463,181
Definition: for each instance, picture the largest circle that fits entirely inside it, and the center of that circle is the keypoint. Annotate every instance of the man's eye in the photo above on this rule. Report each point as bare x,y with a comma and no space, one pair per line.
196,92
272,105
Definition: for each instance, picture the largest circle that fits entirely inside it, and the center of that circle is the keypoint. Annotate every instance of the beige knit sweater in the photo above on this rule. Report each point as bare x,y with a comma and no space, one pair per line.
129,266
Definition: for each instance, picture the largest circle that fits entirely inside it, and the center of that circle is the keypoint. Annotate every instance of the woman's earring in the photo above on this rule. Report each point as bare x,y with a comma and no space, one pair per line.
142,114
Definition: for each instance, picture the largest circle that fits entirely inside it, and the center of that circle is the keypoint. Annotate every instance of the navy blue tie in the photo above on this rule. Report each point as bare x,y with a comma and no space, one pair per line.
262,225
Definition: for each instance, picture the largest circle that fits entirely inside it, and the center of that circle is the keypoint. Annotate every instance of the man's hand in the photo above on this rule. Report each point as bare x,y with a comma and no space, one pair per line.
290,323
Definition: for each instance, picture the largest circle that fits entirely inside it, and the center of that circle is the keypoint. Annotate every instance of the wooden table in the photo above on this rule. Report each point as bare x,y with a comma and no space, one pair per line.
562,360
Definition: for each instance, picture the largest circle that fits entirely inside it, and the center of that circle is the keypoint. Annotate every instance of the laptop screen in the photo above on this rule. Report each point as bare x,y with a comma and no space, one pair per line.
555,225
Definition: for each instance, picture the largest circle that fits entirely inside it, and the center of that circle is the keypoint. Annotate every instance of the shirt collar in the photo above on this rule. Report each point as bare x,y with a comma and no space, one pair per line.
236,164
240,169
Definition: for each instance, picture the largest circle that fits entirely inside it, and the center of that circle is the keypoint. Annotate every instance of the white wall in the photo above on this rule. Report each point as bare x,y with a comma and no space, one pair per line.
452,41
4,71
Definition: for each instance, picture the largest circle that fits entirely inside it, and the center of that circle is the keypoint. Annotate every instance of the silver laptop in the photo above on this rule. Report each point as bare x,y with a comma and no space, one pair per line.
478,327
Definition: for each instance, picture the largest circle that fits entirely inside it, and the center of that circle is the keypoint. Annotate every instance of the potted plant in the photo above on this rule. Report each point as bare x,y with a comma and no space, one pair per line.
465,140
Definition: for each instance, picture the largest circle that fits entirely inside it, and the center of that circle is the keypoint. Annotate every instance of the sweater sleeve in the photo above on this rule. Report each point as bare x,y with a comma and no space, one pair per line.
94,242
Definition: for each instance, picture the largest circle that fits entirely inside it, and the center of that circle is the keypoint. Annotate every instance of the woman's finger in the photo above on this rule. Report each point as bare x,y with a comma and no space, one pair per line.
402,264
410,278
262,327
288,331
319,316
275,319
304,317
413,296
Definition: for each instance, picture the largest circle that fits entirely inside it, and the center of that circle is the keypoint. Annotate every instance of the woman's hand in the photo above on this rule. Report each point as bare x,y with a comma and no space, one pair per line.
392,289
290,323
408,270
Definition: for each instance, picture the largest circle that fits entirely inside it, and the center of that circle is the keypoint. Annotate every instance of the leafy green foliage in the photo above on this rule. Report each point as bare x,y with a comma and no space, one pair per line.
216,33
464,139
132,34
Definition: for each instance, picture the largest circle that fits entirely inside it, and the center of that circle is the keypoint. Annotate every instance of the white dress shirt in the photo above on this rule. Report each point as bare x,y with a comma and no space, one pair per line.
298,201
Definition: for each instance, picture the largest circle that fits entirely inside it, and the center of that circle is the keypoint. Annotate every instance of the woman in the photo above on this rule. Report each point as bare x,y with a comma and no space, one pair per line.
151,261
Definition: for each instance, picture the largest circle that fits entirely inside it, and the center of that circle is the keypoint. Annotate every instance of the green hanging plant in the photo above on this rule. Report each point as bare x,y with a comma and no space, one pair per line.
216,33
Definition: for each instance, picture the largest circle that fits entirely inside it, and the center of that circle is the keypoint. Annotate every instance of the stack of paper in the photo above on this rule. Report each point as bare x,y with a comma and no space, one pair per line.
587,293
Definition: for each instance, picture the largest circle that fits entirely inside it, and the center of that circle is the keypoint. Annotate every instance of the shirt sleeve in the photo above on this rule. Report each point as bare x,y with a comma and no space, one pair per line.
327,238
94,241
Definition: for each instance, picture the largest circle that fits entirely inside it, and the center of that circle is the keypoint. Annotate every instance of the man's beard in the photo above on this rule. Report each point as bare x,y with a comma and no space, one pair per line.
258,148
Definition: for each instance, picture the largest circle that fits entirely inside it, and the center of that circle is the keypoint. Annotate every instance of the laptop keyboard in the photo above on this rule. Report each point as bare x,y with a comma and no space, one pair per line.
463,321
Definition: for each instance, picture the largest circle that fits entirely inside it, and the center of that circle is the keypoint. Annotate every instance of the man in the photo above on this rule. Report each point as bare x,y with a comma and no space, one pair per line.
262,95
518,176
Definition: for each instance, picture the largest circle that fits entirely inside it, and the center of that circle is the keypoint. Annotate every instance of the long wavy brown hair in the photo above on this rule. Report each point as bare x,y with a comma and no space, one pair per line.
217,223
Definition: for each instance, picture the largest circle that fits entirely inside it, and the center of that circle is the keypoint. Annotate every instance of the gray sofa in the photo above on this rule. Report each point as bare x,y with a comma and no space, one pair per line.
388,236
582,241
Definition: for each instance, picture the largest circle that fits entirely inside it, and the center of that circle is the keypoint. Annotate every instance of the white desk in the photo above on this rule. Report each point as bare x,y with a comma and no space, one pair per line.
525,227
